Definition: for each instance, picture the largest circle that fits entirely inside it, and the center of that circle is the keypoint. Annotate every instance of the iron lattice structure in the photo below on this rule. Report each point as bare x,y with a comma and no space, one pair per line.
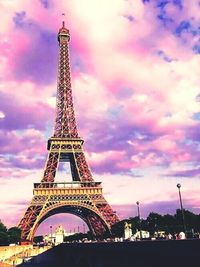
83,196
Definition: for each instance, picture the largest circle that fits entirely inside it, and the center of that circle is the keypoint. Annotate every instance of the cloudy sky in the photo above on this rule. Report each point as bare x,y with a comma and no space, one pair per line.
136,85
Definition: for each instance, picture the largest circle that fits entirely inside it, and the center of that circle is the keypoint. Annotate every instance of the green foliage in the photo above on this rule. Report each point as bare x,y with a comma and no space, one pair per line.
14,235
3,235
9,236
76,237
3,239
2,227
118,229
38,239
156,222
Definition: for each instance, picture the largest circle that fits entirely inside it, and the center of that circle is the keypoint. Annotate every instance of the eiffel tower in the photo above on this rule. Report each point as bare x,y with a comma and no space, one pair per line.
83,196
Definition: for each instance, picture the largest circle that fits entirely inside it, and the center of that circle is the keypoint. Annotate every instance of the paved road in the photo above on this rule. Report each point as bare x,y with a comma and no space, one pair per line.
159,253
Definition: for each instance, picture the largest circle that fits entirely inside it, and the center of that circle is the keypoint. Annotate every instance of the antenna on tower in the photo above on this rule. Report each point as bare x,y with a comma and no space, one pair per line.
63,20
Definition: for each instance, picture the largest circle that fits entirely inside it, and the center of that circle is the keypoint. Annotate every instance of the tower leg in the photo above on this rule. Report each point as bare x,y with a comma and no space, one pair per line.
51,167
28,221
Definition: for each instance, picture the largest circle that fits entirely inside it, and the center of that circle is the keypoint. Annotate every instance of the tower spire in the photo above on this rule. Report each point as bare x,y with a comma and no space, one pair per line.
63,20
65,125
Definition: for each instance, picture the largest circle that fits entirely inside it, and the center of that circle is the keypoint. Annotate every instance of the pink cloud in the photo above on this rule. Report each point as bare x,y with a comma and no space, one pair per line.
135,85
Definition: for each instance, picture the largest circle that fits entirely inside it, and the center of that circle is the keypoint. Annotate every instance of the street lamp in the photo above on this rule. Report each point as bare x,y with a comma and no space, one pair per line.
51,234
138,208
183,217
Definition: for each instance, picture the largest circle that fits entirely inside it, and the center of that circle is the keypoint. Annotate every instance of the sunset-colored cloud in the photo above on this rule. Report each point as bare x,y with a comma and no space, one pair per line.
136,89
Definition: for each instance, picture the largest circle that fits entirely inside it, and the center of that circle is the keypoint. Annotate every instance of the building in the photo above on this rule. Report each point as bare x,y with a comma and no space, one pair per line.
57,237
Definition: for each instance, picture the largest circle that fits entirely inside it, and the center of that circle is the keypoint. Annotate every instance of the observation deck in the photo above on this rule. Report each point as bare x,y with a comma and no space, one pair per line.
68,188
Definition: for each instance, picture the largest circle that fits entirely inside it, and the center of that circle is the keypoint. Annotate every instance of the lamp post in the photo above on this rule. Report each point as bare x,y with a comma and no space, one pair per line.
138,209
51,234
183,217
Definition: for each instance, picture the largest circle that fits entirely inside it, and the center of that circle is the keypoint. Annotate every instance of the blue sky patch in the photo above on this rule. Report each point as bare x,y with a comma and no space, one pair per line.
165,57
47,37
22,22
45,3
196,49
168,114
196,116
162,15
19,19
38,62
125,92
178,3
77,63
129,17
114,113
165,19
162,4
198,98
184,26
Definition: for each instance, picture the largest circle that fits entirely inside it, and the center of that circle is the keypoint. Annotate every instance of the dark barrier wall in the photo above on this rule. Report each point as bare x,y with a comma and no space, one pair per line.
161,253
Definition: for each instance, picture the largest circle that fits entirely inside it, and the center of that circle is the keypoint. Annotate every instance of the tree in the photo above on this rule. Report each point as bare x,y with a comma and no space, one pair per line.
169,224
2,227
38,239
14,235
3,239
191,220
118,228
76,237
154,222
135,224
3,235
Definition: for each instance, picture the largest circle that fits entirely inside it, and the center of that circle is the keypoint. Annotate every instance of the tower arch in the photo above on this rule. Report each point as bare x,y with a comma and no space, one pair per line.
80,210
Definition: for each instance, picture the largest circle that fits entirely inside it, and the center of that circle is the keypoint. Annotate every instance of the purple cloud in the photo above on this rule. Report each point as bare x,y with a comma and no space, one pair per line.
19,117
37,62
45,3
135,104
185,173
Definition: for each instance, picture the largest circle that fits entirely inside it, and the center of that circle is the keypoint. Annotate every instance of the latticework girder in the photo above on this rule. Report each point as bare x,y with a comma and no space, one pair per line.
82,199
86,200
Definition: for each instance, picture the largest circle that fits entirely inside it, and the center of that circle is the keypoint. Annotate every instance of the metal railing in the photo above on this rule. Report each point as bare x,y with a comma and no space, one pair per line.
74,184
